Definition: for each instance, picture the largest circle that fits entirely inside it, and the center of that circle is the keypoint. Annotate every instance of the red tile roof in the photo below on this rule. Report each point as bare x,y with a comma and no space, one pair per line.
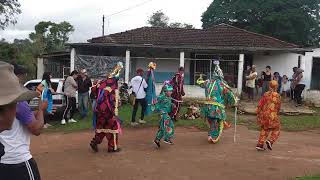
221,35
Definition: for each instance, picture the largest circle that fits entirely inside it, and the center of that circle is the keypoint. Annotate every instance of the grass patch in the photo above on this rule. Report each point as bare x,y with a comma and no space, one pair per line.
300,123
307,178
125,116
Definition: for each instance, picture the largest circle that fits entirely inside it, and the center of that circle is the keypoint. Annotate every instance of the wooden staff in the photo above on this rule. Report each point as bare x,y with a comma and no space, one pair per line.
116,111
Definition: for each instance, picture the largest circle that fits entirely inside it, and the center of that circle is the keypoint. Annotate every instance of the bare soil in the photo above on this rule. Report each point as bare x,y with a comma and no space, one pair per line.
68,156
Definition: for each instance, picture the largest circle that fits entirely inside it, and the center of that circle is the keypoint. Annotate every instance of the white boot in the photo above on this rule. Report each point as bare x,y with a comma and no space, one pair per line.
63,121
72,121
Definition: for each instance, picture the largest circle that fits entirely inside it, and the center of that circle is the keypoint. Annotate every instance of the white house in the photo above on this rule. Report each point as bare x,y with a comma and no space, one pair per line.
194,49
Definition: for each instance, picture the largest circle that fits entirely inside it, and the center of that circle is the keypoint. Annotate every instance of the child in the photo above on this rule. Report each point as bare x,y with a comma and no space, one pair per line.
164,106
268,117
285,88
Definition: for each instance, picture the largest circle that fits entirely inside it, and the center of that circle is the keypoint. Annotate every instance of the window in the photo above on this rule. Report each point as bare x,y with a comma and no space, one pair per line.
299,61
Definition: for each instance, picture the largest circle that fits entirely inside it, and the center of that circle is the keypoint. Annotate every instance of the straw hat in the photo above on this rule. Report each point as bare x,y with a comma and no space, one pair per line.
10,88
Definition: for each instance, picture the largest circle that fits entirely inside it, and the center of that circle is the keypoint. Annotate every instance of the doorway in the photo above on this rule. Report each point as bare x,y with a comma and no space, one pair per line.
315,75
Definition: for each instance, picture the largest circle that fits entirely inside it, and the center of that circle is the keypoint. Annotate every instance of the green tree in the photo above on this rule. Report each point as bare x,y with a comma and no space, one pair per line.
181,25
290,20
8,11
20,52
158,19
50,36
7,51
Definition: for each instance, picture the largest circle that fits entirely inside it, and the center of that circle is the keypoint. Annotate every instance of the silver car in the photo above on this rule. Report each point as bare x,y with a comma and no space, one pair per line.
58,100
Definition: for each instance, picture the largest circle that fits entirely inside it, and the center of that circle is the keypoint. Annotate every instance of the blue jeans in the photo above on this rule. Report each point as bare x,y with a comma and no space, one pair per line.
83,103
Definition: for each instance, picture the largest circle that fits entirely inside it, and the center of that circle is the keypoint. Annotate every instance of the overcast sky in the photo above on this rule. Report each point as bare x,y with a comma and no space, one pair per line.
86,15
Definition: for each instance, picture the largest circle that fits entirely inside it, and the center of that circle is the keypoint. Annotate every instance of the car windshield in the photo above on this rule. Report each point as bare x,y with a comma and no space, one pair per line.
33,85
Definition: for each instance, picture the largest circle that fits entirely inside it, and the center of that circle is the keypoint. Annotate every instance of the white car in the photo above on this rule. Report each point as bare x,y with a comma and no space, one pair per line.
58,100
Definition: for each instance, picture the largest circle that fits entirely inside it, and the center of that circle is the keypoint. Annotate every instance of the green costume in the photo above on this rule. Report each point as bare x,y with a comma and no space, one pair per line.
166,126
218,93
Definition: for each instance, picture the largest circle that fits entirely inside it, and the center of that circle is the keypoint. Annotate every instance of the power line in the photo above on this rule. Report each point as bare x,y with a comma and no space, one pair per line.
129,8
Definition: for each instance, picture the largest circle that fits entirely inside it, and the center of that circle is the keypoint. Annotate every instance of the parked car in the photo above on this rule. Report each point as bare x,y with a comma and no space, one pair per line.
58,100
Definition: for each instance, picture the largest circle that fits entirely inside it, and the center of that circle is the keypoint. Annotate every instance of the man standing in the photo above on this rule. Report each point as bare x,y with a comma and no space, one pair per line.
251,83
84,84
16,162
299,86
177,93
138,85
292,84
70,88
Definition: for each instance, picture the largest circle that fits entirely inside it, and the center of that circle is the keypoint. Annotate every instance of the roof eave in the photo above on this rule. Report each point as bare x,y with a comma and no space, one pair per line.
192,47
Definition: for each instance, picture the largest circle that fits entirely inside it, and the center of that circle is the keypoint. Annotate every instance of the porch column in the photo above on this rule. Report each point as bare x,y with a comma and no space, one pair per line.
182,59
303,62
240,73
72,59
40,67
127,65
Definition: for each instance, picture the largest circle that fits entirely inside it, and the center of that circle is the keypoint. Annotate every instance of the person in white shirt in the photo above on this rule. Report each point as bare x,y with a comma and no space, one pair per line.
251,82
16,162
285,88
300,85
138,85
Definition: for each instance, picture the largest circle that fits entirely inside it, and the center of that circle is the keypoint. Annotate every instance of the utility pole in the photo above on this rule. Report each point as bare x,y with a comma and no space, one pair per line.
103,25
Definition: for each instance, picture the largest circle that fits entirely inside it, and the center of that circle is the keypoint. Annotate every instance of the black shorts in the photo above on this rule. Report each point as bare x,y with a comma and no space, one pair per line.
23,171
250,91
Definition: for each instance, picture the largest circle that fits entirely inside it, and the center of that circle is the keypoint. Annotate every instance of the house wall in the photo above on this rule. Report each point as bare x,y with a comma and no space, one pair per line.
166,68
308,65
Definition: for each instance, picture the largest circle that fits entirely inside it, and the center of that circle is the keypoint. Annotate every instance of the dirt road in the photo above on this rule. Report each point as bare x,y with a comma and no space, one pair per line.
68,157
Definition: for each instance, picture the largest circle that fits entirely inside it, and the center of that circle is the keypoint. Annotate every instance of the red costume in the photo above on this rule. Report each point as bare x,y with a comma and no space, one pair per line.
107,123
177,93
268,116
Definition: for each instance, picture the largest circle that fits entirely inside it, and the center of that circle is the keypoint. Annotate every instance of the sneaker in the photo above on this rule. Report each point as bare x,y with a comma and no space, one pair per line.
45,126
134,124
94,147
72,121
269,145
260,148
113,150
142,121
63,121
157,142
168,142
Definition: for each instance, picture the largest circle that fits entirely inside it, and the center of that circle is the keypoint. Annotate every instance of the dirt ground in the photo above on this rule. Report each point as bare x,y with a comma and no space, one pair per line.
68,157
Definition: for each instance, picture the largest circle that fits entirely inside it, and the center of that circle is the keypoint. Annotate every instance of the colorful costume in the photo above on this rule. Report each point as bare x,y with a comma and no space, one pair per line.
106,122
177,93
151,96
217,92
268,116
166,126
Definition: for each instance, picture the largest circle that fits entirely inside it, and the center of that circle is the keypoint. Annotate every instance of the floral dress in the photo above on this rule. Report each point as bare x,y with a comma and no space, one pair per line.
166,126
217,94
